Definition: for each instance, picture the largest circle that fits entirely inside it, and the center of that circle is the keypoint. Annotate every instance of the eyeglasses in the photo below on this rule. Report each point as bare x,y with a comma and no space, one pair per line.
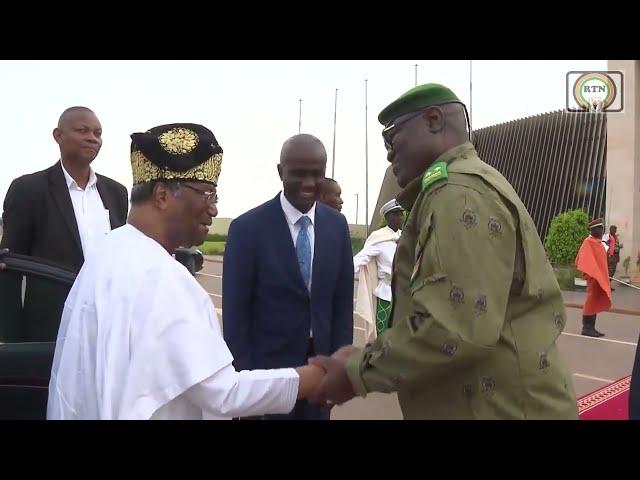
208,196
389,132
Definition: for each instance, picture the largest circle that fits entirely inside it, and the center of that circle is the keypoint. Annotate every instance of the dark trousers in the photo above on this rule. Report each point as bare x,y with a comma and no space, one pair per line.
612,264
589,321
303,410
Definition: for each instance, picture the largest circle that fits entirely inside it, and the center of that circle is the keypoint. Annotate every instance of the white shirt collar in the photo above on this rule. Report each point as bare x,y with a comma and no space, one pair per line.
71,182
293,214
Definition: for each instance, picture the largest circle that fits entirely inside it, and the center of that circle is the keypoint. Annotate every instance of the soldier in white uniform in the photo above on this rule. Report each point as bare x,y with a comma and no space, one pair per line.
373,266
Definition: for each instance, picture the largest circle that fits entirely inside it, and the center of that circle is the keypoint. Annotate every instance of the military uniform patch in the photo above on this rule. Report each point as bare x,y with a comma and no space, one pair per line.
488,384
437,171
469,218
450,348
480,306
557,318
543,361
456,295
495,227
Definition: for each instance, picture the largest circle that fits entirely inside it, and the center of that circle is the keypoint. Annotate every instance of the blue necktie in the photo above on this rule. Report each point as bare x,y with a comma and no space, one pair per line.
303,249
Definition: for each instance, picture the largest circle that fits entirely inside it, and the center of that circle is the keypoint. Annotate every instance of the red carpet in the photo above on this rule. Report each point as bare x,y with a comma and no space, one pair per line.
608,403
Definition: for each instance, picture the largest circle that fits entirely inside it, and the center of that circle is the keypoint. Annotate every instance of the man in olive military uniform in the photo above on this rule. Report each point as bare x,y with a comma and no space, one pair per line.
476,307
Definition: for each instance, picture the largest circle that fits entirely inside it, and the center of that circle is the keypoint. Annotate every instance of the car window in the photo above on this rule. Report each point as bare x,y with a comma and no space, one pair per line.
30,310
31,306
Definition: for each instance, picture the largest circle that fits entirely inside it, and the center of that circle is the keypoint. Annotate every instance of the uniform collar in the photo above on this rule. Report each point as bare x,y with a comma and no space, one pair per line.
461,154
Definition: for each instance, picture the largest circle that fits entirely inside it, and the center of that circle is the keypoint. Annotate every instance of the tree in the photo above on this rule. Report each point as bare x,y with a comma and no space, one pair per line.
566,233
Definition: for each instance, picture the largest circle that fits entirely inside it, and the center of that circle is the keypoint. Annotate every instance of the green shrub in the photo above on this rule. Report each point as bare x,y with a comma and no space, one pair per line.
565,277
215,237
356,244
212,248
566,233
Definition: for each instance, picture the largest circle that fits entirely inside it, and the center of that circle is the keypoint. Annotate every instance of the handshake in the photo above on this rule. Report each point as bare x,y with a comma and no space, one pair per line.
324,381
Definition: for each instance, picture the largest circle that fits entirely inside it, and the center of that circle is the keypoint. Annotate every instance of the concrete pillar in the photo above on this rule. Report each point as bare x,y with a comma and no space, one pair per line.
623,165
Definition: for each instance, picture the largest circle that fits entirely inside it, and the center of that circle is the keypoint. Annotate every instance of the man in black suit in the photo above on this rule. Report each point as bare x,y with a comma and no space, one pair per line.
58,214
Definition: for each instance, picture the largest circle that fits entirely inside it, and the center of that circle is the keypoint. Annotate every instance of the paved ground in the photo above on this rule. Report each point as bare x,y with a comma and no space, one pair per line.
593,362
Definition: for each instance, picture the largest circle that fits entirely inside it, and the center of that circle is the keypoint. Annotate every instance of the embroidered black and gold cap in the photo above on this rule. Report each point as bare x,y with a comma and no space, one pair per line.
177,151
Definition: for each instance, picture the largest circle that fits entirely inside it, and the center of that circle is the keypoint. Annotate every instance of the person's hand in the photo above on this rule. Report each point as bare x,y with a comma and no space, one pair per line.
309,378
345,352
335,388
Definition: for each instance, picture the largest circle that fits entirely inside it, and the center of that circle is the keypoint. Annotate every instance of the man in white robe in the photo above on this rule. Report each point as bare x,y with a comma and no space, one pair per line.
373,266
139,337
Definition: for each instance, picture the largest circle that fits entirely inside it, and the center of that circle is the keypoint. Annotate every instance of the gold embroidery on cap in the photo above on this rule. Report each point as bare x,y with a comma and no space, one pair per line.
145,171
179,140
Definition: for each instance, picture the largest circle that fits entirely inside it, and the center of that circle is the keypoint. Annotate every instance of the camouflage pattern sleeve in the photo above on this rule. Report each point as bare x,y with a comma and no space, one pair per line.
459,289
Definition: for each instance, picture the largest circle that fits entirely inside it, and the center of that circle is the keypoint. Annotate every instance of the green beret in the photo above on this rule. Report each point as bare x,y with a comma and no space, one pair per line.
418,97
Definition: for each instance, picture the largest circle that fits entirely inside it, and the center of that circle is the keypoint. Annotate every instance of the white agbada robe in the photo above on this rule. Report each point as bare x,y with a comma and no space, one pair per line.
374,265
140,339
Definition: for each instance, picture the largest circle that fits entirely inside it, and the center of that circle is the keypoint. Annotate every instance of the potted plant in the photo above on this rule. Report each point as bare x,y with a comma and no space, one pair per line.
635,277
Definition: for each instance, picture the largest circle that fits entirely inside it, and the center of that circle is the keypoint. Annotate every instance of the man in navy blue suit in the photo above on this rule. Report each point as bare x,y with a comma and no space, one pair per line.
288,274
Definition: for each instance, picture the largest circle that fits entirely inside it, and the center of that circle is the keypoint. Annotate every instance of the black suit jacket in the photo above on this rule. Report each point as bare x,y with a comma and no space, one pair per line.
39,220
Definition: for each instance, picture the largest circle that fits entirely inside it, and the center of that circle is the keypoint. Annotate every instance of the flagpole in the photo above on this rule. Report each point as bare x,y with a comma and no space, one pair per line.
335,112
416,74
366,161
300,116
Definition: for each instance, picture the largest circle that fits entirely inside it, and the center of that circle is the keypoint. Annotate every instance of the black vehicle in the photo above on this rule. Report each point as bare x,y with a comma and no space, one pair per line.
191,258
25,367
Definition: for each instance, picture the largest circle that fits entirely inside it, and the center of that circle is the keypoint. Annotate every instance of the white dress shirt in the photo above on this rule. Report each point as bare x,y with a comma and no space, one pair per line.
91,216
